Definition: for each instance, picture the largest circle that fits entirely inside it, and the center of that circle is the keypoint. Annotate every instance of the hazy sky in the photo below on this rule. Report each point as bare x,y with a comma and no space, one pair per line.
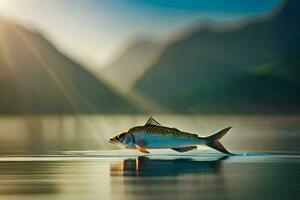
93,30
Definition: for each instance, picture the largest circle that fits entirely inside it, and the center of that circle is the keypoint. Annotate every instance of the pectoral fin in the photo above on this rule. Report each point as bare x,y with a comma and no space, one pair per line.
185,149
141,149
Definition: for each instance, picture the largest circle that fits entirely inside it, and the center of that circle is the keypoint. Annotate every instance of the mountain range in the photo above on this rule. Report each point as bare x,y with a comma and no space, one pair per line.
251,67
248,67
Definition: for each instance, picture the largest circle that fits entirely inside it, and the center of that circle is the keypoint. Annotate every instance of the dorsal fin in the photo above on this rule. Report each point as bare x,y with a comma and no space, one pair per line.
152,121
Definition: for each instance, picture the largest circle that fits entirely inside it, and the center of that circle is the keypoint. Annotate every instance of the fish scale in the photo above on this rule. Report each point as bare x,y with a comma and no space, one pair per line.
152,129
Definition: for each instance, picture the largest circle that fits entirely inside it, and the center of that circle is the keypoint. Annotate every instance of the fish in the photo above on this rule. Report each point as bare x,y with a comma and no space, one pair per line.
155,136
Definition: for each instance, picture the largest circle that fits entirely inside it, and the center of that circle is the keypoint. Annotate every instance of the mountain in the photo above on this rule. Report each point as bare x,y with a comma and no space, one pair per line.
268,88
35,77
209,70
131,63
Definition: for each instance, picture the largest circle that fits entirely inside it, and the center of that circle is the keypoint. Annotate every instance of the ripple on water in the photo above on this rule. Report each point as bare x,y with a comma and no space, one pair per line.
157,154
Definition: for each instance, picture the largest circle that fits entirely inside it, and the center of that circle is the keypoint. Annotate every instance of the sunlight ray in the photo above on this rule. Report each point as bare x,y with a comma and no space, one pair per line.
50,72
92,128
6,53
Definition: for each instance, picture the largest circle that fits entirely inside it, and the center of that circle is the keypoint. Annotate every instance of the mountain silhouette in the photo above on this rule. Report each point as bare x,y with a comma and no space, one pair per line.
35,77
131,63
215,68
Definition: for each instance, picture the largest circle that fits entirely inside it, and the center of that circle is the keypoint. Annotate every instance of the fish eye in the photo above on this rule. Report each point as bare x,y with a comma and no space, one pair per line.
121,137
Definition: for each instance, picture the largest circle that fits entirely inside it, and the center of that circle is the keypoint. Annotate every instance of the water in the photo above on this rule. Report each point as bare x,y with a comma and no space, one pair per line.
115,175
51,157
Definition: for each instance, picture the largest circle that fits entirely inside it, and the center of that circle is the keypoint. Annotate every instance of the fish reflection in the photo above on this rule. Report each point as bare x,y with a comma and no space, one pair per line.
145,166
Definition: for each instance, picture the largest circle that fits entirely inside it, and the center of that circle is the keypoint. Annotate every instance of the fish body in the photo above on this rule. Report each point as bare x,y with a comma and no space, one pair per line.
160,137
155,136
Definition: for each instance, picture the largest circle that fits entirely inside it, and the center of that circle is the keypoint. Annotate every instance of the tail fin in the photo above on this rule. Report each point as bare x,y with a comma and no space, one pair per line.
213,141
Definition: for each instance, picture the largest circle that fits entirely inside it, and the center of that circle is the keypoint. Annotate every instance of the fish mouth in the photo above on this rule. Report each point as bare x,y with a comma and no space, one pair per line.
113,141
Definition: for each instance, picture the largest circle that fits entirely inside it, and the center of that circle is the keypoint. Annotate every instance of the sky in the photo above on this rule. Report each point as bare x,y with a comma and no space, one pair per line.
93,31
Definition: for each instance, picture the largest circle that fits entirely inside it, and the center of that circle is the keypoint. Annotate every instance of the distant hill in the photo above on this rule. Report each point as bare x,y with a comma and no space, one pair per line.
269,88
131,63
212,68
35,77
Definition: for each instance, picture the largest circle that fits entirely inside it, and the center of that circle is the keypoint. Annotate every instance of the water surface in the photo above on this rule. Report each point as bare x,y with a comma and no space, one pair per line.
126,175
53,157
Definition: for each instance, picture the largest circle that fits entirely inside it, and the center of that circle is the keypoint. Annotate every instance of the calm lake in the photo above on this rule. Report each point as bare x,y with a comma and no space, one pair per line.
68,157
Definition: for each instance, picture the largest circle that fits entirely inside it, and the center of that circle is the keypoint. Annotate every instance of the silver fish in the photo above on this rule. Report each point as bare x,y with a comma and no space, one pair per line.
155,136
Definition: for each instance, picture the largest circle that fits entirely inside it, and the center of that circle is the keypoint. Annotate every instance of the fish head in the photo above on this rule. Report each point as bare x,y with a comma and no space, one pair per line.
124,139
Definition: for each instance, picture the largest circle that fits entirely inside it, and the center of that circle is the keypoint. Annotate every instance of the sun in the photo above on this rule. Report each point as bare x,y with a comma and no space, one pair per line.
5,5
